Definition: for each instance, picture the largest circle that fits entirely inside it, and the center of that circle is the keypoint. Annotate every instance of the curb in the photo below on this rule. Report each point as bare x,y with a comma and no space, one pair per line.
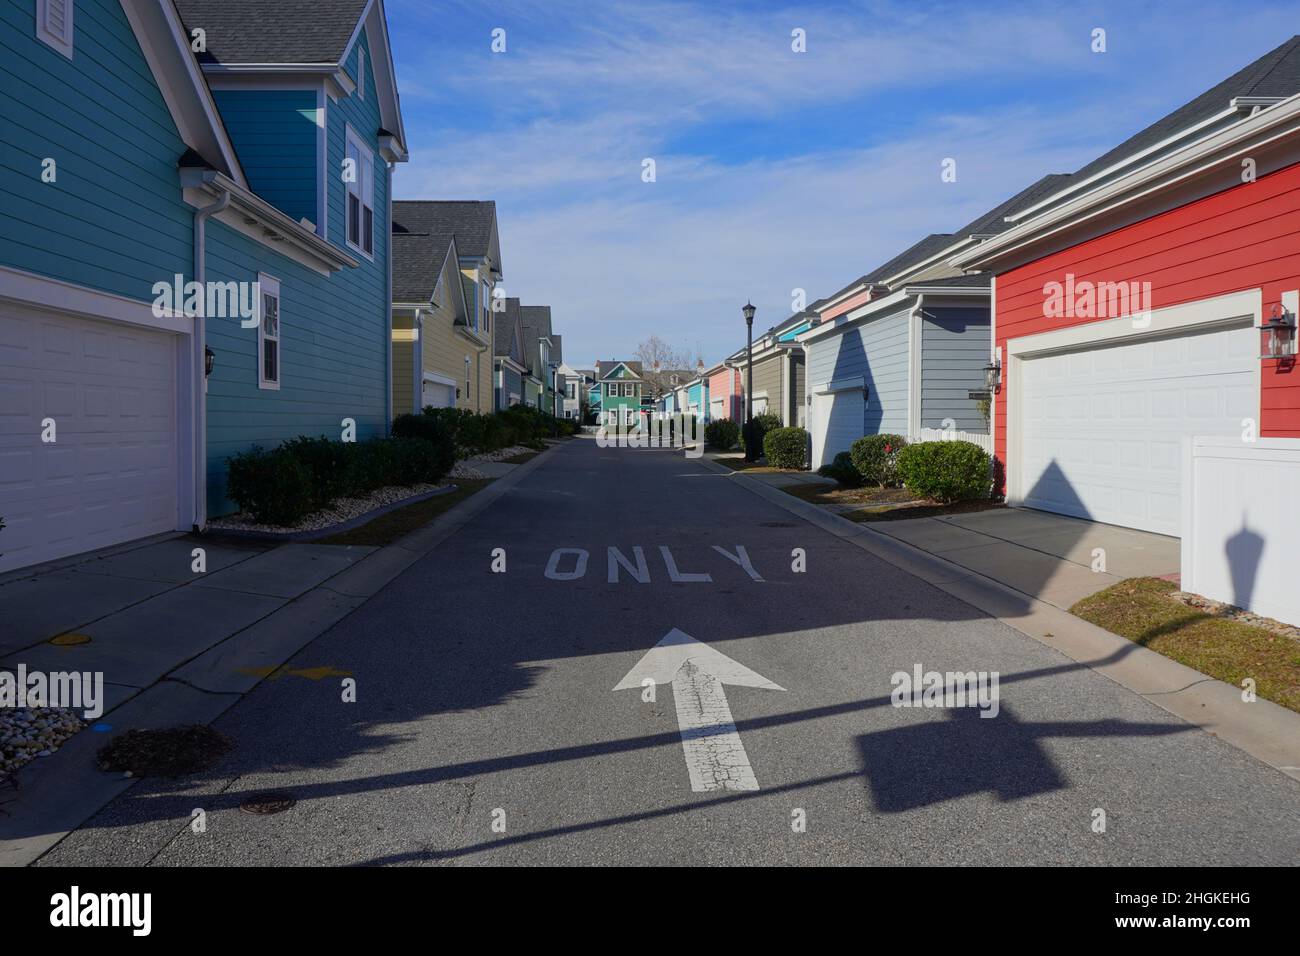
60,793
1267,731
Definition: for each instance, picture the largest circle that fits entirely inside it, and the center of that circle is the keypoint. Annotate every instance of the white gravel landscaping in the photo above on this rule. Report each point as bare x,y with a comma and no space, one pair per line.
30,732
501,454
465,472
342,509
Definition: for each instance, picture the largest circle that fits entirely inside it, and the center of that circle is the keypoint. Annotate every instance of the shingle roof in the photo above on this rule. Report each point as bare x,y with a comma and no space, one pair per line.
469,220
604,368
286,31
995,220
973,280
537,317
557,348
503,331
417,262
927,247
1276,73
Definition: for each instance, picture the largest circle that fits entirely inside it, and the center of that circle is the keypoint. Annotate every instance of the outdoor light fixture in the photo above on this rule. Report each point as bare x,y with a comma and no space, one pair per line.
993,374
208,358
749,311
1277,335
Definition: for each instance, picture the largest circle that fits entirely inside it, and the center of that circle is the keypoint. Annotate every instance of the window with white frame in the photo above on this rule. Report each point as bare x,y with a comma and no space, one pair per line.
268,332
361,195
361,73
54,24
487,305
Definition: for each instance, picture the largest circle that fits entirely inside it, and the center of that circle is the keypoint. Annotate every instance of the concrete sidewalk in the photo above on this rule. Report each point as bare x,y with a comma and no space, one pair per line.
175,646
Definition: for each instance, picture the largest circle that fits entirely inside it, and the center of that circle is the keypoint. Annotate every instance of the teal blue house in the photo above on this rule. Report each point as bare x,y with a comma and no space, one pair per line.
193,252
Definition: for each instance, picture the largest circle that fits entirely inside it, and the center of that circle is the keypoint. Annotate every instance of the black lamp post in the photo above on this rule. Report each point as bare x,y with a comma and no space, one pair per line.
751,442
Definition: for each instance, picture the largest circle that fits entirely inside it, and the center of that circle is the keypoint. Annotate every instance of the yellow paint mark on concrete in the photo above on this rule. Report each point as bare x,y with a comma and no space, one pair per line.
70,639
310,673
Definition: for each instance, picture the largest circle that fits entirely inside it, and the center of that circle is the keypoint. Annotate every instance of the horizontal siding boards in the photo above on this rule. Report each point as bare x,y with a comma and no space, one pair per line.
954,351
275,134
403,378
768,377
876,350
332,359
797,402
513,385
113,219
1245,237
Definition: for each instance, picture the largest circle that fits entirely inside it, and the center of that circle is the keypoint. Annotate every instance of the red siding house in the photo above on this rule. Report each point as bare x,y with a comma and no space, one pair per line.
726,393
1127,306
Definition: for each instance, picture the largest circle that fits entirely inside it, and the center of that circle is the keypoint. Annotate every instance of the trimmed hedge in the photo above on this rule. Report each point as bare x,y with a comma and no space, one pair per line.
876,458
786,447
474,434
284,485
947,471
842,470
722,433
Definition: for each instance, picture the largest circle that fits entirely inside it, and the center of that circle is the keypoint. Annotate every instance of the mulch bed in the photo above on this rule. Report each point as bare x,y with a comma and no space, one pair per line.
174,752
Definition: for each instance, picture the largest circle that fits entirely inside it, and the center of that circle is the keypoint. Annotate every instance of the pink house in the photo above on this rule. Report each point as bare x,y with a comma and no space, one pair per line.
726,393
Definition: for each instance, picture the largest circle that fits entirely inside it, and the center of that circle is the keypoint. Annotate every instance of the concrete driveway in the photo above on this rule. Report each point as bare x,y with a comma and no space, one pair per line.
1056,559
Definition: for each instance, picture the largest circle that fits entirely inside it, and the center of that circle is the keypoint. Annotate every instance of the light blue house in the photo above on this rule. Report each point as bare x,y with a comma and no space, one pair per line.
135,168
697,398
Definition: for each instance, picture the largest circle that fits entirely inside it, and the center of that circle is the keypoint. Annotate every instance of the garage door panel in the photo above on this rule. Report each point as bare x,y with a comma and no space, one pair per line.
1103,428
111,474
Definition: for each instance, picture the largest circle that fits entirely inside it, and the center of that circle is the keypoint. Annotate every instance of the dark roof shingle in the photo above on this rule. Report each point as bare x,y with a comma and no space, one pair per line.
286,31
469,220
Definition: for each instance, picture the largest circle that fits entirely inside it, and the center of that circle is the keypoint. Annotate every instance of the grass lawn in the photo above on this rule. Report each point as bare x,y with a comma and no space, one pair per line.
1143,610
387,528
883,504
738,463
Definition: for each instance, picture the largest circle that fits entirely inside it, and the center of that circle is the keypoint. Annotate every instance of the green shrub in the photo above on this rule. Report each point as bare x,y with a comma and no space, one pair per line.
786,447
842,470
416,461
435,431
326,462
945,470
722,433
763,424
876,458
272,486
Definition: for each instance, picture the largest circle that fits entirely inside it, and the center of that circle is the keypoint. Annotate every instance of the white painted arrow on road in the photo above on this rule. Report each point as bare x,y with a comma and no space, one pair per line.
715,757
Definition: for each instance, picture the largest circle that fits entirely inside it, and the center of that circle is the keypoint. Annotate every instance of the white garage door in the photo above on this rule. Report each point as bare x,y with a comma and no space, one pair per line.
110,474
1102,428
837,422
438,395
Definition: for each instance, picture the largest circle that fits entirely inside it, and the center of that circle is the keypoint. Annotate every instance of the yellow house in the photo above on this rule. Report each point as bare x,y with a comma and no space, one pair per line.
446,266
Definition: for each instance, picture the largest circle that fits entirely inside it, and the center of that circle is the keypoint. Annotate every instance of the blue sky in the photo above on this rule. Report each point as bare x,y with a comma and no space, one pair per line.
775,170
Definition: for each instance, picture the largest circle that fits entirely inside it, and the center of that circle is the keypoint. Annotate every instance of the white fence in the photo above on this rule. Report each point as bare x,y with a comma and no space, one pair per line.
952,434
1241,529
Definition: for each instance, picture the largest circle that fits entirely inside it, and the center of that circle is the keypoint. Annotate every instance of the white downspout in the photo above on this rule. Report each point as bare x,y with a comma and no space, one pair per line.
915,341
200,421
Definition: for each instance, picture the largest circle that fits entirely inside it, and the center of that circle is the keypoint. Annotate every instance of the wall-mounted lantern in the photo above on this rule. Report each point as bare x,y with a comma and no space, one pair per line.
1277,335
993,374
208,358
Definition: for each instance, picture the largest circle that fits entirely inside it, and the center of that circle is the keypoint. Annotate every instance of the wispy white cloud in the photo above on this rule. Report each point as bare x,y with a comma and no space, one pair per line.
839,169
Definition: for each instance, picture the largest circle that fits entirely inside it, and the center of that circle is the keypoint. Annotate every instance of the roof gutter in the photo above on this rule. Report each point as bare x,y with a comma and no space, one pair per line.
1222,149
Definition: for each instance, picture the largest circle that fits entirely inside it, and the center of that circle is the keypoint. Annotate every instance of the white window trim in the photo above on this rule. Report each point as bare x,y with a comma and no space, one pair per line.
361,73
269,284
43,33
350,138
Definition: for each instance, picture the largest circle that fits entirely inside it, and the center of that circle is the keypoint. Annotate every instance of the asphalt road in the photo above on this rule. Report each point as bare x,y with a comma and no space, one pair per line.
488,698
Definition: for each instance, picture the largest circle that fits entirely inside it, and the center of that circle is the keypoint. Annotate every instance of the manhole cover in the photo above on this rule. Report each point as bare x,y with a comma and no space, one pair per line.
267,803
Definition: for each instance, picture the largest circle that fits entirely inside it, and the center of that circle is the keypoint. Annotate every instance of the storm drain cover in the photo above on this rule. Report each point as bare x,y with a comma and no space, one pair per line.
267,803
